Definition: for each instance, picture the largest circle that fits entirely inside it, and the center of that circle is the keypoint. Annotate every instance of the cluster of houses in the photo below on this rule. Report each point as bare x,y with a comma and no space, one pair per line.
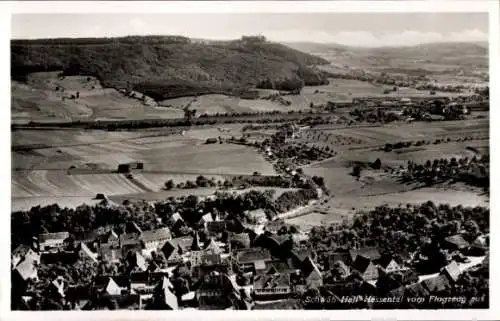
223,273
214,268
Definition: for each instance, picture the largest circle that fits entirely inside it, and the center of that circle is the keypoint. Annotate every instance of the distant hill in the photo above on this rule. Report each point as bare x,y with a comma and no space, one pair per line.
165,66
430,57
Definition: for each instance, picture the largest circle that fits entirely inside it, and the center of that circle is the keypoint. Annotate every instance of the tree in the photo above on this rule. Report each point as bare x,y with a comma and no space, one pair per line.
377,164
169,184
356,171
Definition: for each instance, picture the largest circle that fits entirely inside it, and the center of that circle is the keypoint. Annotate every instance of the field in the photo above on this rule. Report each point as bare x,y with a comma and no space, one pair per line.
344,207
42,98
337,90
347,89
377,187
42,173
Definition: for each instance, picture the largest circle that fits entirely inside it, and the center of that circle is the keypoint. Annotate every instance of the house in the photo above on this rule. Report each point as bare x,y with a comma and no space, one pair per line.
205,219
279,267
239,241
78,297
137,262
451,271
154,239
211,246
272,286
106,286
216,291
298,255
338,257
25,270
130,242
455,242
216,227
109,253
123,168
479,246
311,273
205,257
365,267
257,216
84,253
416,290
24,252
388,264
133,228
49,241
253,259
437,284
109,239
163,297
370,253
174,249
176,219
57,288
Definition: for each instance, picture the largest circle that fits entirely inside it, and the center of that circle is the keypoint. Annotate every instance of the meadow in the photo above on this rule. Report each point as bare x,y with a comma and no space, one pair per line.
41,175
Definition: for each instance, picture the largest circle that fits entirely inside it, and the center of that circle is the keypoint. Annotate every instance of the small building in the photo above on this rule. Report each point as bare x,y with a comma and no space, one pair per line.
455,242
257,216
338,257
154,239
212,247
452,272
253,259
239,241
311,273
24,252
436,285
272,286
48,241
136,262
216,227
389,264
57,288
84,253
365,267
176,219
163,297
370,253
205,219
130,242
216,291
123,168
110,239
25,270
416,290
174,249
106,286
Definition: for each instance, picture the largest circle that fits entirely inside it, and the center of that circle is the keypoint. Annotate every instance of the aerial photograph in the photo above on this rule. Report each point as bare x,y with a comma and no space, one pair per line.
249,161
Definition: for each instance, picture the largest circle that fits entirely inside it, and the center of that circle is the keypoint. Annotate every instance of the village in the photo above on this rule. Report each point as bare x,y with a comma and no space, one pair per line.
229,264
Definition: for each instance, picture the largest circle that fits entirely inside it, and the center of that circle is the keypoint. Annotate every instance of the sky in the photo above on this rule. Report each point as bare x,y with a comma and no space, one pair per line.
358,29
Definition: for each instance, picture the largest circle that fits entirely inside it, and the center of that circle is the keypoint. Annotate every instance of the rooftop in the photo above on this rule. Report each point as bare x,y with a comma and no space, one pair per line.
156,235
252,255
53,236
371,253
457,240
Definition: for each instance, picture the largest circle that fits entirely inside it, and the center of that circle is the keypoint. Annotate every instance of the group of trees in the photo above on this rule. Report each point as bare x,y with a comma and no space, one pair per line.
294,84
375,115
201,181
403,229
85,218
472,171
293,199
388,147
